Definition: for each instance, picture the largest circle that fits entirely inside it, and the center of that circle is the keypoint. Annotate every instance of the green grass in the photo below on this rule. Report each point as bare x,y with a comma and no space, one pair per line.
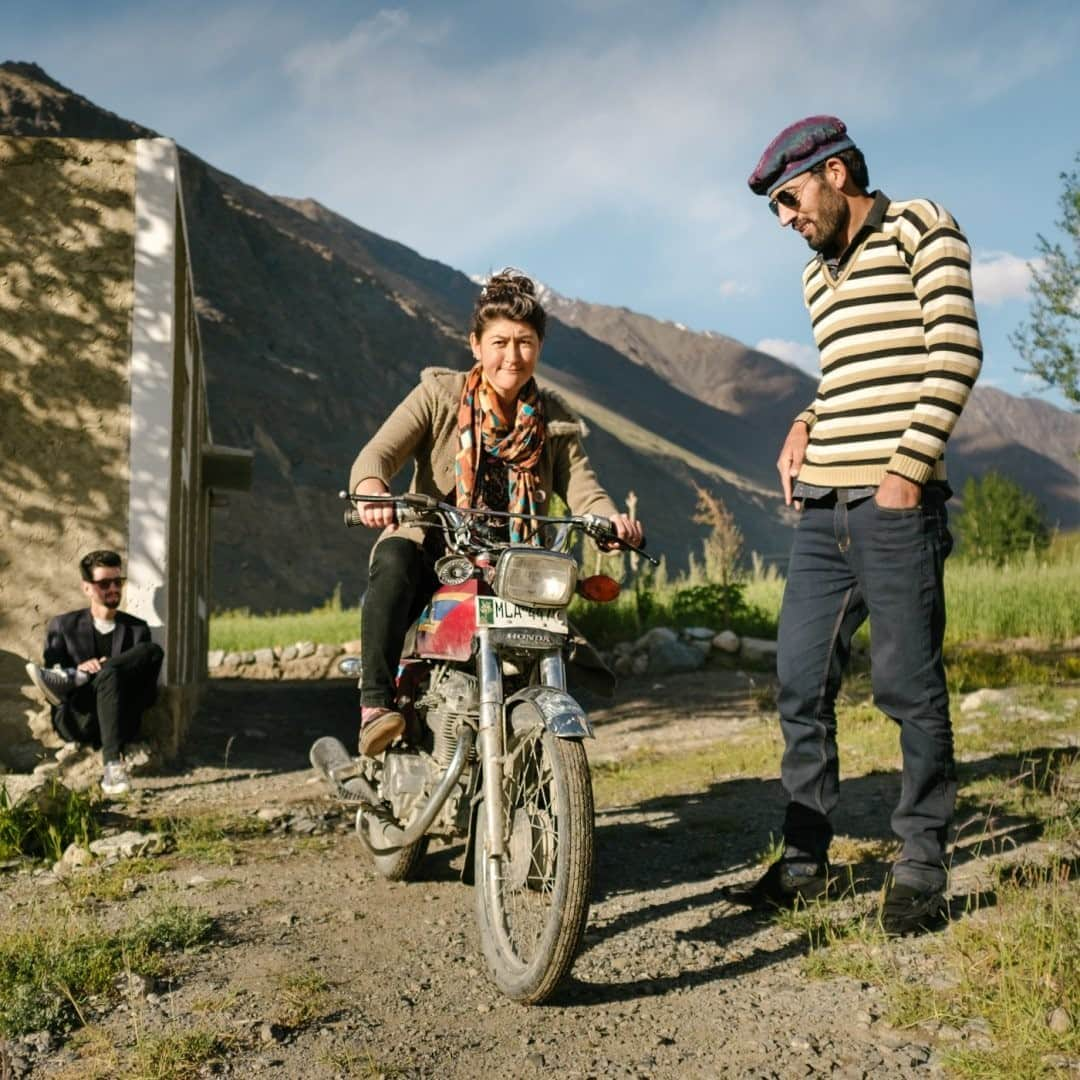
1035,596
239,631
1014,964
651,774
210,838
1014,957
1011,961
110,883
45,822
1008,964
301,997
868,741
50,971
181,1055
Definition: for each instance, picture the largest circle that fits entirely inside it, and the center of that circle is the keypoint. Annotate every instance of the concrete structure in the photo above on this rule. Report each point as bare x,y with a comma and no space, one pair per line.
104,435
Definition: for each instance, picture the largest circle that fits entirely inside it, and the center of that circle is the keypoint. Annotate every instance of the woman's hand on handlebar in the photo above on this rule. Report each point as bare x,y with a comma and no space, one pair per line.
378,515
628,530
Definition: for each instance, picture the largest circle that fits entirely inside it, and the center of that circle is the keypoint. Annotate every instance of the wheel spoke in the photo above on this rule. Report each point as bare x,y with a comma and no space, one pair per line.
533,901
526,875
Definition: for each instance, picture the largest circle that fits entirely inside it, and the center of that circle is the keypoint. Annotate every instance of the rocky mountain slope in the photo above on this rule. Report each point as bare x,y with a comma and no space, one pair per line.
313,328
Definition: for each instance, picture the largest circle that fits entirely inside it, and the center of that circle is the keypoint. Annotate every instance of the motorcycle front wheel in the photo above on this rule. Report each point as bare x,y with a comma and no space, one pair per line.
532,904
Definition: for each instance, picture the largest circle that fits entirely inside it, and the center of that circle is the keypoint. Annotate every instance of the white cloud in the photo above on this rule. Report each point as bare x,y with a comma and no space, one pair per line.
796,353
999,276
731,287
417,123
609,137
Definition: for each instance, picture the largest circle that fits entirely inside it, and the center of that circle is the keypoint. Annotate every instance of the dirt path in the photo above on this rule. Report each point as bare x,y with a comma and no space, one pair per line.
671,982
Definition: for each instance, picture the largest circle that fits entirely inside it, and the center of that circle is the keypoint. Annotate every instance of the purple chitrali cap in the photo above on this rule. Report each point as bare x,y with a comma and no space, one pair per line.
798,147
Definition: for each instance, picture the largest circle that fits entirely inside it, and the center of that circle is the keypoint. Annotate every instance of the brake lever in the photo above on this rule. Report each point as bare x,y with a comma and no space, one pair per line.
623,545
600,530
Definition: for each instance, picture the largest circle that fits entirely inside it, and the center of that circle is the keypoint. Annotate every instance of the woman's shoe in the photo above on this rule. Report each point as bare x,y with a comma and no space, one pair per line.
379,727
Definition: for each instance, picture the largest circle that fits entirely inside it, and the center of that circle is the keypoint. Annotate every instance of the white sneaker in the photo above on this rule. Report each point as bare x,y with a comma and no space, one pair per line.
114,781
54,683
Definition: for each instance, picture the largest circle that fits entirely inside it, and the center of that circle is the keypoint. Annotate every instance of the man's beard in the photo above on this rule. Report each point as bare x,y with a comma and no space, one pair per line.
112,602
832,219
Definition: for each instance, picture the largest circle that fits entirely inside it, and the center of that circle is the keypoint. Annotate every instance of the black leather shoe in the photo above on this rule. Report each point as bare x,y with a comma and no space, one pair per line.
912,909
784,885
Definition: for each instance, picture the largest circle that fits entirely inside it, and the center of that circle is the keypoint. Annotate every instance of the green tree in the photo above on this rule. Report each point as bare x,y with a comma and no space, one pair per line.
1050,342
999,519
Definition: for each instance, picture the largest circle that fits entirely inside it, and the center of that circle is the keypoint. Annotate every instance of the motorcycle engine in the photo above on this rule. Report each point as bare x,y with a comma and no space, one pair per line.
451,698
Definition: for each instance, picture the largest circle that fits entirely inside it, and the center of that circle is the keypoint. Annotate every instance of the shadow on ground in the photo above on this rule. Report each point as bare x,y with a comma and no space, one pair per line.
648,854
267,726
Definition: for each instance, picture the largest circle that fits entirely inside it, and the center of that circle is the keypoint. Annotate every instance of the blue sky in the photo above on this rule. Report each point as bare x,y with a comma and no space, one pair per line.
603,145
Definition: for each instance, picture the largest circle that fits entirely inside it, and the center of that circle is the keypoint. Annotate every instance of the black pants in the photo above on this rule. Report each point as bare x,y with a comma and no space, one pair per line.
401,579
850,563
107,710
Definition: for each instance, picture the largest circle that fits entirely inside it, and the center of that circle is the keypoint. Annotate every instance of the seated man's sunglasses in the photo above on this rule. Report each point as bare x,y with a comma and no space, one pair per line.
109,582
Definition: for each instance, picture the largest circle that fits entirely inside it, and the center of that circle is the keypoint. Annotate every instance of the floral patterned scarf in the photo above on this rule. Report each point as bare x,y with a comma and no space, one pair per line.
483,428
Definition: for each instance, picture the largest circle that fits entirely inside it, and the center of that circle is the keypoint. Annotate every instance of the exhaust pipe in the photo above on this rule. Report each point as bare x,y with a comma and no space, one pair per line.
393,834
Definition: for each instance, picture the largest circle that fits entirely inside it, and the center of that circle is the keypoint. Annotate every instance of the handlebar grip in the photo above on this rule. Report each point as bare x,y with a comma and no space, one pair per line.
402,515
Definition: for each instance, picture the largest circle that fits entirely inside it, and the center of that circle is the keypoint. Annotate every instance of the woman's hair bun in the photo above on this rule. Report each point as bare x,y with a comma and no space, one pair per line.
509,294
506,282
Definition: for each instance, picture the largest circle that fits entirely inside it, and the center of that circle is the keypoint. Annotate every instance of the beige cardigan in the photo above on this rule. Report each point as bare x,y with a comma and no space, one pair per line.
425,427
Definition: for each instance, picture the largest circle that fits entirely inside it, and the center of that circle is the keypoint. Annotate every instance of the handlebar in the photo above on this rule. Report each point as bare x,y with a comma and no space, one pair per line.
414,507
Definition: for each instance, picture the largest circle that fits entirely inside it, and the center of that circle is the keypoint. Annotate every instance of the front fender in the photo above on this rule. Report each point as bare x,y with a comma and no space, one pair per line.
561,714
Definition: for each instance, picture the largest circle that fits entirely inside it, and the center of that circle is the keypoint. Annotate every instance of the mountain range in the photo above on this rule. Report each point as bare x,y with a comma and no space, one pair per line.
313,329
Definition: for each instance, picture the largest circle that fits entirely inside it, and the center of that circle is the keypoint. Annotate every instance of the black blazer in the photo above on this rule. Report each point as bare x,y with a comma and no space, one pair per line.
69,639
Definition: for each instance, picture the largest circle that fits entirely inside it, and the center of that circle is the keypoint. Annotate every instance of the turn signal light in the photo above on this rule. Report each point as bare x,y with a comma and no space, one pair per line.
599,588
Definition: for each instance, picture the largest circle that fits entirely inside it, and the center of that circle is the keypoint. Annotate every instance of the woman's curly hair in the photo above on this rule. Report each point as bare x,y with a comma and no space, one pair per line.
509,294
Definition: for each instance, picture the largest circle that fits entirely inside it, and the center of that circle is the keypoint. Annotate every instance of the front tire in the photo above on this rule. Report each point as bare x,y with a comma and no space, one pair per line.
532,905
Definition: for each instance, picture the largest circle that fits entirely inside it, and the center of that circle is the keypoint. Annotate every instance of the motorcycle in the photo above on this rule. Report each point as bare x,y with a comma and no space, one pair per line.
493,751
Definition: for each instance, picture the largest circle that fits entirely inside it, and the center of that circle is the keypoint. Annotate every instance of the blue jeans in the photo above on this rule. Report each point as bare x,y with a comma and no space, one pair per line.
851,562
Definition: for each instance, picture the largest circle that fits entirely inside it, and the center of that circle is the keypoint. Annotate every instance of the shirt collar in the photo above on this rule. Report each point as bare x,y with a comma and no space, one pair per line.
874,220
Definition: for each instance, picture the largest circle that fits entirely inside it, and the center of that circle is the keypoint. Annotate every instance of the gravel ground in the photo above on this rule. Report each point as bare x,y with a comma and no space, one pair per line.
671,981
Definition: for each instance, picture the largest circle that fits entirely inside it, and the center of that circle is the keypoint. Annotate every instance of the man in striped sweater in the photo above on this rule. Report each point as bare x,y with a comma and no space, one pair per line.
889,294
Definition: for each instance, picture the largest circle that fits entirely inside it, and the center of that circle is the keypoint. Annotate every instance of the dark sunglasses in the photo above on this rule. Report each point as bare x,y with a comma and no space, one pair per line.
788,198
109,582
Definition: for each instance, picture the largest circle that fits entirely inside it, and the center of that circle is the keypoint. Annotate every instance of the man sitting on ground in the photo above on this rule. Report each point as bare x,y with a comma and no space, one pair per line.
101,669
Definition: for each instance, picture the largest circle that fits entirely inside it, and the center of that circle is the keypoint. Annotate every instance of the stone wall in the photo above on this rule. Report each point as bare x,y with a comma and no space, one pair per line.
66,240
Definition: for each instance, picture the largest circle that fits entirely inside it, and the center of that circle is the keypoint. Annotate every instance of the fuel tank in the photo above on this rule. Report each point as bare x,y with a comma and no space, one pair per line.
447,626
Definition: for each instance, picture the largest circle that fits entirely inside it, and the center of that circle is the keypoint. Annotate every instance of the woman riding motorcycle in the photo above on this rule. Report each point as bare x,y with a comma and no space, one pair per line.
488,438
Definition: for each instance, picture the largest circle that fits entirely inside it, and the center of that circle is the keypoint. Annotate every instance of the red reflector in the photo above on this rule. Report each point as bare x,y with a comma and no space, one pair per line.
599,588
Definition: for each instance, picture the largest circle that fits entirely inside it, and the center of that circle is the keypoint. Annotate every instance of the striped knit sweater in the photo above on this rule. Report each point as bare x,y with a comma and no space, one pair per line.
899,348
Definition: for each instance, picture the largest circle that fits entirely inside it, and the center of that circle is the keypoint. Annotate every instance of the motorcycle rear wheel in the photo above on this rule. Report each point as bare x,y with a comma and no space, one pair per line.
402,863
532,905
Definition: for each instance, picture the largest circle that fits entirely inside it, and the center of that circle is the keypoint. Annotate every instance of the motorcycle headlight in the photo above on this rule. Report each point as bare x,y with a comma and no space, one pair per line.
536,578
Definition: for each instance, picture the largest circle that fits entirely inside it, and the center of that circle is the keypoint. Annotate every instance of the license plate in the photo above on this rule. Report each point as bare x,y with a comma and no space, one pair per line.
502,614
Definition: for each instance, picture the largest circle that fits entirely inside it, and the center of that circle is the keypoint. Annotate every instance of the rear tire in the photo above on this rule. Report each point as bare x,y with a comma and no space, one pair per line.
533,904
399,865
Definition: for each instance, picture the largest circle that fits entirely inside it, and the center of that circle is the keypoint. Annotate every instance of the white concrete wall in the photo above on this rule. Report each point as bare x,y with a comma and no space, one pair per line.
152,376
